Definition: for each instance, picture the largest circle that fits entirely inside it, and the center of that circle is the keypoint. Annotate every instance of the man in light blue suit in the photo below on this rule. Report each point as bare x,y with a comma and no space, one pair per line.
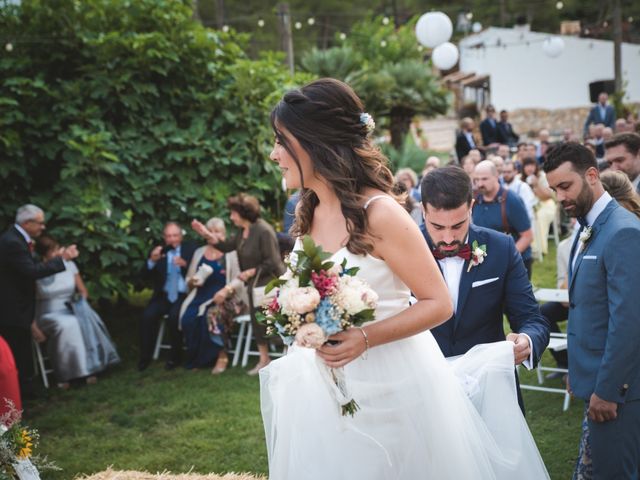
604,326
483,289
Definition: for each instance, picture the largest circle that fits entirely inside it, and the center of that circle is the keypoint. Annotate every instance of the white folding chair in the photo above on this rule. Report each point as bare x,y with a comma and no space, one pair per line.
245,335
557,342
160,339
39,364
554,232
243,321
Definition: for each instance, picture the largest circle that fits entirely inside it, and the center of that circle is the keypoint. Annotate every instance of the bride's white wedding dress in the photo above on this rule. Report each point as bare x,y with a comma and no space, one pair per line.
421,416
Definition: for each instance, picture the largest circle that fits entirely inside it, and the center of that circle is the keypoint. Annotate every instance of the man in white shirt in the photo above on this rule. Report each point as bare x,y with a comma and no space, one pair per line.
513,182
484,273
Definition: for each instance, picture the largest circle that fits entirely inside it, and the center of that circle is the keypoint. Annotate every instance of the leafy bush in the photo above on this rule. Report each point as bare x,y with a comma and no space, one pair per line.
117,115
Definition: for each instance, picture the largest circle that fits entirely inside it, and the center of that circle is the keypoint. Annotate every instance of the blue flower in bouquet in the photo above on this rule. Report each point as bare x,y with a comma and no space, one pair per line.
328,317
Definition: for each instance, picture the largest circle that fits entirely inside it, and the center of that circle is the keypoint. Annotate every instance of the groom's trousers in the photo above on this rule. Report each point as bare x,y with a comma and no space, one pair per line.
615,445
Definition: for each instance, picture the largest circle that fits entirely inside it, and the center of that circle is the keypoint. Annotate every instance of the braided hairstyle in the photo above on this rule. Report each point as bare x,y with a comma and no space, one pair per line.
324,117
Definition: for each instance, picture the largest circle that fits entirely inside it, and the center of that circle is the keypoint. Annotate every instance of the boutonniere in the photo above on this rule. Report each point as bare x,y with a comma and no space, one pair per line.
478,252
585,236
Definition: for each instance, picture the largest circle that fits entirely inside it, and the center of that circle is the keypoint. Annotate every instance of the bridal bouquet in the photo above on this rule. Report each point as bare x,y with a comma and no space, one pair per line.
315,299
17,443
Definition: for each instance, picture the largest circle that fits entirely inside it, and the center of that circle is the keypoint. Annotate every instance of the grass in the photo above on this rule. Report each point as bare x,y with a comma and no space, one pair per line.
182,421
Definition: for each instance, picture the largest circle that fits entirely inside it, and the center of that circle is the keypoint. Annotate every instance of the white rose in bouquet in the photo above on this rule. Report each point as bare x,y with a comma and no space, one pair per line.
353,295
298,300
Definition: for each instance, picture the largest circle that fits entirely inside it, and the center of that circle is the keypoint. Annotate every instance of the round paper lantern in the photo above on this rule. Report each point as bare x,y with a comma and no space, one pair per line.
433,29
445,56
553,46
476,27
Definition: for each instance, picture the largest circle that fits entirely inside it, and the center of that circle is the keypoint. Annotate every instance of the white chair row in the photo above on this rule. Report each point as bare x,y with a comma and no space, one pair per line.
243,343
557,342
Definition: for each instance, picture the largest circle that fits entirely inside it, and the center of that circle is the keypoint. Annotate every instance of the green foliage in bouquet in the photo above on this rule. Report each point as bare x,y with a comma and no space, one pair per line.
117,116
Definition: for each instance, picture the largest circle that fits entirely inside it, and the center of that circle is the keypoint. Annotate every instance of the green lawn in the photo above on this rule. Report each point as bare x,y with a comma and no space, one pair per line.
182,421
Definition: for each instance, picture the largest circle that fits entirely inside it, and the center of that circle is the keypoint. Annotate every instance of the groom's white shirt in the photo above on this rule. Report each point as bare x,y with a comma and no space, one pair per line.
452,272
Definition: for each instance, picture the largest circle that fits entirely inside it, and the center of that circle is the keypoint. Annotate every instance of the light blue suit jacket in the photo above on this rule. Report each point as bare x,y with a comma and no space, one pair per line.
604,318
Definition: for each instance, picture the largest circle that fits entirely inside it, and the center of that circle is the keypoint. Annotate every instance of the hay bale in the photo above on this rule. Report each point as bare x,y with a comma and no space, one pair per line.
110,474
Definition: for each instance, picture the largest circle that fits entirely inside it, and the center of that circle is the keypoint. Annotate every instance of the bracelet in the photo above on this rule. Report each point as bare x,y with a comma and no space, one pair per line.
366,342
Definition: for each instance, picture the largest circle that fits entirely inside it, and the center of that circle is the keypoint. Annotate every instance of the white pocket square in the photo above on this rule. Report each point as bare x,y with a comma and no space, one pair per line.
590,257
479,283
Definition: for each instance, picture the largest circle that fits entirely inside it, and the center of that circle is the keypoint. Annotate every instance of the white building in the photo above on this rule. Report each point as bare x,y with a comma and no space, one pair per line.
522,75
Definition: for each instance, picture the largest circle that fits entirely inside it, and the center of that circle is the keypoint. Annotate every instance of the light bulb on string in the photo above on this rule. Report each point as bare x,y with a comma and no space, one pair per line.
298,25
261,23
383,43
343,36
9,47
559,6
469,16
225,28
311,21
385,20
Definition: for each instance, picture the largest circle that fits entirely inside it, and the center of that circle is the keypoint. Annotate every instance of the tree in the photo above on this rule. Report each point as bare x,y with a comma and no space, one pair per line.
387,69
118,116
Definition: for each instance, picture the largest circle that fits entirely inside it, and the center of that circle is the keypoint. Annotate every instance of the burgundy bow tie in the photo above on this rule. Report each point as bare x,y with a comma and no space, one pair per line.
463,252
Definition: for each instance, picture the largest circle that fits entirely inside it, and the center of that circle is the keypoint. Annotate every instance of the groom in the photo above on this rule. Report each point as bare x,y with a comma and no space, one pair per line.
484,273
604,327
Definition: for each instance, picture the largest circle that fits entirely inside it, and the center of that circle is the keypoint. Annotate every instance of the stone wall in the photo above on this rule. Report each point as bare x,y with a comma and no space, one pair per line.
528,122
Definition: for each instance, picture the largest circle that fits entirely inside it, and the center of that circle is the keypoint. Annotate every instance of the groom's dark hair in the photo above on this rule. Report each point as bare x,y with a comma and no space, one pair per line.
446,188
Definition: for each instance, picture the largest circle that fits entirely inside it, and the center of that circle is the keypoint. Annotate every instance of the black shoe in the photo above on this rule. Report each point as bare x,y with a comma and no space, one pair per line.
170,365
143,365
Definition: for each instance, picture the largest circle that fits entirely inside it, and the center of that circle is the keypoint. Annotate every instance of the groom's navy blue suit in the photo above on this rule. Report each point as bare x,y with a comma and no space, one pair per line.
604,337
498,285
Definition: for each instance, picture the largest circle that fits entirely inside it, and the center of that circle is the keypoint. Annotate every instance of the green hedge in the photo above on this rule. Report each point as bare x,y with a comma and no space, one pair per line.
117,115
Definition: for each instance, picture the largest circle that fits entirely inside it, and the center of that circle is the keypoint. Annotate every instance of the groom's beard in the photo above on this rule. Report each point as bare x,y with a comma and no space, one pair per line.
449,249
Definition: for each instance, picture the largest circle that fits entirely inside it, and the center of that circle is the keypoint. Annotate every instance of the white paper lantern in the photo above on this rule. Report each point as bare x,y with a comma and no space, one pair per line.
433,29
553,46
476,27
445,56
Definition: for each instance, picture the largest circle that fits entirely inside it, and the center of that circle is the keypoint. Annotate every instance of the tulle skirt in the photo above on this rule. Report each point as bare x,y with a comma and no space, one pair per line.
421,416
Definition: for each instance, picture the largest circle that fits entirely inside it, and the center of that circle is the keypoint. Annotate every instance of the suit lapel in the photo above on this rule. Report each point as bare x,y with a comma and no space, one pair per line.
597,226
466,280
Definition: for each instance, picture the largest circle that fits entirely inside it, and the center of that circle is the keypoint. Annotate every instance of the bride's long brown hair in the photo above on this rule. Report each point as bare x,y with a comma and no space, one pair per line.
324,116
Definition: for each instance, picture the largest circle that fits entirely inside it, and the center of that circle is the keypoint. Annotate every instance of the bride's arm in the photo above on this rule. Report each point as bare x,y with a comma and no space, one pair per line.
399,242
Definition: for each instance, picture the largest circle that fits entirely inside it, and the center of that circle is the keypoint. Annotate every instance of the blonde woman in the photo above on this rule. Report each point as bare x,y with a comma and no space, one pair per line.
212,277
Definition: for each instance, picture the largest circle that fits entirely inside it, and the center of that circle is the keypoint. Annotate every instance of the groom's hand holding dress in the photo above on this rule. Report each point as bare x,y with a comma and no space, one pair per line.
484,273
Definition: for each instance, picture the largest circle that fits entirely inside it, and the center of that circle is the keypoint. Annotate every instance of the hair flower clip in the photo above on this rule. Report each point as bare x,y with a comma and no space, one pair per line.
367,121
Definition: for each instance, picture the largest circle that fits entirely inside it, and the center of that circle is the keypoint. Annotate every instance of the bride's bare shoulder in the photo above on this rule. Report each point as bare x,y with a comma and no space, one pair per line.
385,214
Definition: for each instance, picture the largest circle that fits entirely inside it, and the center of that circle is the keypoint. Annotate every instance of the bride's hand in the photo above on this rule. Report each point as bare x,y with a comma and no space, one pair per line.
351,345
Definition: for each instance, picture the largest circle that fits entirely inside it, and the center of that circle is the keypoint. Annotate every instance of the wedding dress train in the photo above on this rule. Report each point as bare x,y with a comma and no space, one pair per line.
421,416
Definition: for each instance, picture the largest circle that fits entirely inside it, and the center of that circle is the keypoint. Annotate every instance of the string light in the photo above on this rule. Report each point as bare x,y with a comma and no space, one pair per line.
311,21
9,47
385,20
261,23
469,16
559,6
383,43
298,25
225,28
343,36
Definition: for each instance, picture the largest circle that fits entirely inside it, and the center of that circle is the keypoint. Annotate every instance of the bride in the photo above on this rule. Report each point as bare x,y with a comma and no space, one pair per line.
420,416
